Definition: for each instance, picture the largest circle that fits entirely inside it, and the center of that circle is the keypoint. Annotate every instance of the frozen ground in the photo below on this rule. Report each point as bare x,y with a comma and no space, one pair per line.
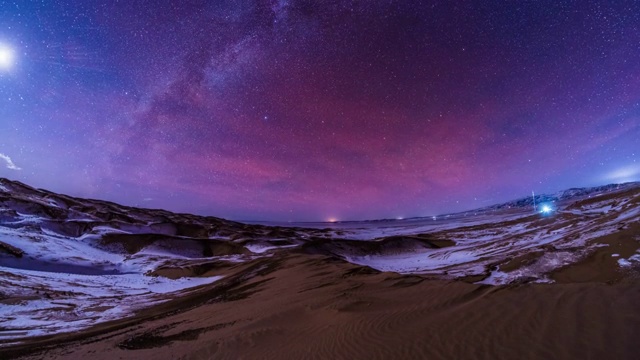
64,284
68,264
550,241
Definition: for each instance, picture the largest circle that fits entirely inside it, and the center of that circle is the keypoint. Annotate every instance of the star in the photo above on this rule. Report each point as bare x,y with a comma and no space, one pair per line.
6,57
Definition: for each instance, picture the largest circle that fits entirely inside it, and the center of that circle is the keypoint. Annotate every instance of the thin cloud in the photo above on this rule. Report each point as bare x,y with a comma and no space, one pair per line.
10,164
624,174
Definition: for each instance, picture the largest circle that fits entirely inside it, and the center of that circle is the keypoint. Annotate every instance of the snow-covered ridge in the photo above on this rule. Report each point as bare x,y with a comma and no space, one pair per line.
530,244
68,263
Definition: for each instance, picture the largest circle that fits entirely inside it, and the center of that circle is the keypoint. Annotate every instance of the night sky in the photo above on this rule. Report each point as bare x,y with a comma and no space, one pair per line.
316,110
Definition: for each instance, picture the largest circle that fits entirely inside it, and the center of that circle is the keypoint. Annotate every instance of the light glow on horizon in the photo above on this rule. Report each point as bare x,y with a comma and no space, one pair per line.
546,209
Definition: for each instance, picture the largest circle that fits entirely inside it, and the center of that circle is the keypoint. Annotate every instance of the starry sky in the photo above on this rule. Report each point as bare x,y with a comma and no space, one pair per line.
292,110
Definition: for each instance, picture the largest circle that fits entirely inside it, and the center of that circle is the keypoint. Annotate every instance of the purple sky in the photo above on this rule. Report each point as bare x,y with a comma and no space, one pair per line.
311,110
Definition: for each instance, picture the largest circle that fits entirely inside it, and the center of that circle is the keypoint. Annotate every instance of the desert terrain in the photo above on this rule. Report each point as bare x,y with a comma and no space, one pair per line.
84,278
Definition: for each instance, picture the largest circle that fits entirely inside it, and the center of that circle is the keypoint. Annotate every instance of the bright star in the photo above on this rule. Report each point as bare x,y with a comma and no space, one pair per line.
6,57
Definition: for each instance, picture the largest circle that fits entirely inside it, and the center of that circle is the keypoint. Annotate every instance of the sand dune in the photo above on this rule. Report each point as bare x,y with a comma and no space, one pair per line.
84,278
313,307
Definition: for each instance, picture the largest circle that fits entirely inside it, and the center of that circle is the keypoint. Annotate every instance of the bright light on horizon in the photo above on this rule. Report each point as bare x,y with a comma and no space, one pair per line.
546,209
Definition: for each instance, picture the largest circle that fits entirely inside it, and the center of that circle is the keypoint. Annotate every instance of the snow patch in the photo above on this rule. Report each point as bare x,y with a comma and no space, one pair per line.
47,303
259,249
632,260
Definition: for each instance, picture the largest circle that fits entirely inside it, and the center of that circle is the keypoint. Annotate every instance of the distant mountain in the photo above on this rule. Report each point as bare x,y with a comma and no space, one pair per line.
562,195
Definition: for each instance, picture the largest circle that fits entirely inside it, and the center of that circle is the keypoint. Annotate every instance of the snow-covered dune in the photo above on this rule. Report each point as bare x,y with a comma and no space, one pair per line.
69,263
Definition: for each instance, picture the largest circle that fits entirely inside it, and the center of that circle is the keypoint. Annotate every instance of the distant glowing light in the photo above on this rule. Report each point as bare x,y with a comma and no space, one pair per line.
332,220
6,57
546,209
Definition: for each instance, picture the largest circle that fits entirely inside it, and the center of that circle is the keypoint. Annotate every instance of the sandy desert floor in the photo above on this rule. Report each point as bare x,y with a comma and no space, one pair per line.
300,306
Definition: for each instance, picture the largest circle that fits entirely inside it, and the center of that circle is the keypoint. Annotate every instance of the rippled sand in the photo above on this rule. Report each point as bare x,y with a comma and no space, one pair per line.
300,306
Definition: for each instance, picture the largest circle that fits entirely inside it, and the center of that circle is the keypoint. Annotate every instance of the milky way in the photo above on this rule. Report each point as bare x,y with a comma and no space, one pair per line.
310,110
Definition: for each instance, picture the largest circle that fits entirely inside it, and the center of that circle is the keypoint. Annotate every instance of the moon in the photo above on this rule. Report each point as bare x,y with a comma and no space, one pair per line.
6,57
